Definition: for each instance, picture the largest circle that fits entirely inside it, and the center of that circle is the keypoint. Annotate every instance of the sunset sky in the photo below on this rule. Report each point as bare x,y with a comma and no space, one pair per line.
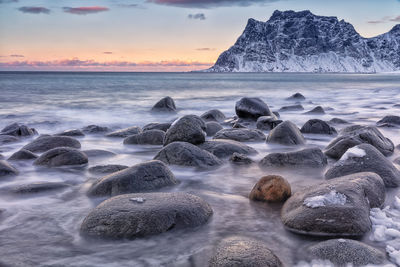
152,35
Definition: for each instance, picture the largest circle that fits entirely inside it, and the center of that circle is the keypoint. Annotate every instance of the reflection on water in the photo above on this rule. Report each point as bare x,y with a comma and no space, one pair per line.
44,229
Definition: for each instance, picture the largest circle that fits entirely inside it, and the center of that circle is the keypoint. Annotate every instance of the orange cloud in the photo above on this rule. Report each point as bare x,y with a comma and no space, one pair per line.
85,10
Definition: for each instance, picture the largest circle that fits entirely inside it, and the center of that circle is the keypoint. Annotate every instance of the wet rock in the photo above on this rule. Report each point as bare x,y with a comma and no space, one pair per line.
366,158
240,251
138,215
23,154
106,169
276,113
338,121
213,115
5,139
267,122
271,188
45,143
189,128
308,157
316,126
95,129
238,125
92,153
157,126
73,132
150,137
241,135
338,207
17,129
297,107
61,156
316,110
186,154
125,132
252,108
297,97
389,121
286,133
37,187
166,104
240,159
142,177
343,252
355,135
6,169
225,148
212,128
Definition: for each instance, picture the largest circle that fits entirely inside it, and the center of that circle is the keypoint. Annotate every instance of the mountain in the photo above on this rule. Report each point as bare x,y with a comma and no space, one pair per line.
303,42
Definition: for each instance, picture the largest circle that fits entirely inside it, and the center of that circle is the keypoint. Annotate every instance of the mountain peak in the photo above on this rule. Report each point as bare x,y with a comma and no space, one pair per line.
290,14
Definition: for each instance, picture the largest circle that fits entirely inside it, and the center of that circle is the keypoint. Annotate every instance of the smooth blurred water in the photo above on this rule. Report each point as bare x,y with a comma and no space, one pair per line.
43,229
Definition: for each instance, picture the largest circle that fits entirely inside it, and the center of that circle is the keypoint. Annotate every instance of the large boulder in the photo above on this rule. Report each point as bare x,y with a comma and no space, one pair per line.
389,121
213,127
22,154
296,97
338,207
297,107
356,135
308,157
6,169
138,215
225,148
316,126
189,128
186,154
72,132
240,159
213,115
157,126
142,177
125,132
150,137
267,122
240,251
286,133
318,110
95,129
45,143
366,158
17,129
345,252
165,104
271,188
252,108
61,156
241,135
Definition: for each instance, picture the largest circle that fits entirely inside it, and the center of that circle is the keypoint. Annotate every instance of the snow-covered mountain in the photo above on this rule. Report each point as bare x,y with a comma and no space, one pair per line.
303,42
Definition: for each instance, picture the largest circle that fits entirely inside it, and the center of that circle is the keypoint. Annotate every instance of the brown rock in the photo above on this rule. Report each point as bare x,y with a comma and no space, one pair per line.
271,188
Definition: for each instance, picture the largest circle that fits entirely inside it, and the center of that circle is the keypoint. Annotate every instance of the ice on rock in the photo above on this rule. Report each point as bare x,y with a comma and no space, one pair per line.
353,152
331,198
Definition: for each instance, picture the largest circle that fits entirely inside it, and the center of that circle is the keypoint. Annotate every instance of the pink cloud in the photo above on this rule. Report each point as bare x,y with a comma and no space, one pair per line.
85,10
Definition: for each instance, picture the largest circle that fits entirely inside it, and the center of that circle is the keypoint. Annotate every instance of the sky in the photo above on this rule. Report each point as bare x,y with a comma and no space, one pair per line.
152,35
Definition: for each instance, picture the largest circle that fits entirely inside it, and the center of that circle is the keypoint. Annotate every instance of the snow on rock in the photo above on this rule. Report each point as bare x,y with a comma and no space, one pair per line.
353,153
331,198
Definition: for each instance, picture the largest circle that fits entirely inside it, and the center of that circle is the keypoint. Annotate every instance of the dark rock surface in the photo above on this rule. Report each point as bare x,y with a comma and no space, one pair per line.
37,187
157,126
189,128
389,121
7,169
72,132
45,143
317,110
316,126
241,135
23,154
297,97
17,130
308,157
240,159
166,104
212,128
95,129
297,107
150,137
61,156
225,148
213,115
125,132
252,108
286,133
106,169
5,139
267,122
93,153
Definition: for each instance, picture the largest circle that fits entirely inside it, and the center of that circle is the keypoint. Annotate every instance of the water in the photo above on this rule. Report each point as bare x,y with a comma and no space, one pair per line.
43,229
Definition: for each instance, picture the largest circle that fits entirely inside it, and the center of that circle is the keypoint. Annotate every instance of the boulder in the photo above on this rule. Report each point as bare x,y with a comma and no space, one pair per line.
286,133
346,252
189,128
5,139
316,110
252,108
138,215
296,107
225,148
6,169
238,125
316,126
95,129
125,132
141,177
157,126
297,97
271,188
17,129
276,113
308,157
186,154
389,121
166,104
45,143
38,187
22,154
338,121
73,132
213,115
241,135
150,137
93,153
338,207
237,251
355,135
267,122
61,156
212,127
106,169
365,158
240,159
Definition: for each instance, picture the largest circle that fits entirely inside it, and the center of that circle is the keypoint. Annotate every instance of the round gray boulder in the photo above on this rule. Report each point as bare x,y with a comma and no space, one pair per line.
213,115
267,122
17,129
308,157
23,154
316,126
166,104
138,215
241,135
296,97
286,133
189,128
212,127
318,110
297,107
125,132
252,108
61,156
225,148
157,126
72,132
95,129
45,143
6,169
389,121
150,137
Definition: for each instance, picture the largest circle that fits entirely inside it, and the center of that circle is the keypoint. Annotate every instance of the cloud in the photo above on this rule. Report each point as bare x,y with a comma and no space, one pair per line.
385,20
107,53
205,49
199,16
209,3
8,1
16,56
375,21
396,19
34,9
85,10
